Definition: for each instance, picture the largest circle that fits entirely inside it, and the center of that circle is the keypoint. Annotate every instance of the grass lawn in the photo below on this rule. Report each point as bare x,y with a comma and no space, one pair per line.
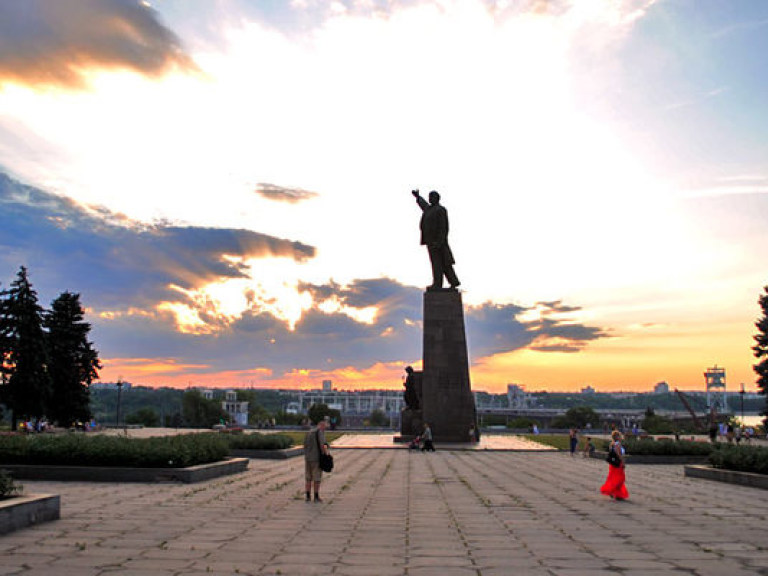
297,436
559,441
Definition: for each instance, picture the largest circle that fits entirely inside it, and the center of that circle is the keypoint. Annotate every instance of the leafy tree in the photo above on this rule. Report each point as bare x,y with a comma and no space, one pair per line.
73,361
145,416
522,422
199,412
283,418
761,353
26,382
378,418
317,412
577,417
654,424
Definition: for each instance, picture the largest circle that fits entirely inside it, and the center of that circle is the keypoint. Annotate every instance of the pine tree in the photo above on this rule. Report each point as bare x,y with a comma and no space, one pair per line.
26,383
761,353
73,361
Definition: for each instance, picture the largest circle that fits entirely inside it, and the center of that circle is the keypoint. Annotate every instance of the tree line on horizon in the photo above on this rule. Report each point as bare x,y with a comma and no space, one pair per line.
47,362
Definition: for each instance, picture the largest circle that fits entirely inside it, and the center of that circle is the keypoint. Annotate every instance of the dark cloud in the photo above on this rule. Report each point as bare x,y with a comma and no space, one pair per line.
126,269
327,341
494,329
45,42
118,263
282,194
394,300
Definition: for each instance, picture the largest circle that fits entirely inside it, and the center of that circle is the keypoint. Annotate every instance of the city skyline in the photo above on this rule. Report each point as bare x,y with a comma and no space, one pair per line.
227,184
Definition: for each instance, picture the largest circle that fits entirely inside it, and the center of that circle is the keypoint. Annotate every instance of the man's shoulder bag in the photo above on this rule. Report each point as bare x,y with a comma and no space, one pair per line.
326,460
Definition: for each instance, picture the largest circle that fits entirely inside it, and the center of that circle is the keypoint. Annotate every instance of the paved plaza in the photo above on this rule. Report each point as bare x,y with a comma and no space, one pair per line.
392,512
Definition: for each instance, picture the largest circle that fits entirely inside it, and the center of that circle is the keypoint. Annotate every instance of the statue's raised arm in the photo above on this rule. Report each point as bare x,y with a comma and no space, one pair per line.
434,235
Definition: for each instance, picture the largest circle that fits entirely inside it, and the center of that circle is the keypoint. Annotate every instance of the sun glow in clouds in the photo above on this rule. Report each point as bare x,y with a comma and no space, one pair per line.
272,288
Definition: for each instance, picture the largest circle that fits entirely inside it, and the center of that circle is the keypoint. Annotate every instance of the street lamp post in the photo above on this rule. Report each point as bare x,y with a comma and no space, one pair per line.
741,393
119,394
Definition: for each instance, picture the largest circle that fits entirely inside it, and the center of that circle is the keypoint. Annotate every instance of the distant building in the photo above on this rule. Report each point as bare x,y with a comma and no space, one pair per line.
517,396
293,408
588,390
327,386
110,386
661,388
238,411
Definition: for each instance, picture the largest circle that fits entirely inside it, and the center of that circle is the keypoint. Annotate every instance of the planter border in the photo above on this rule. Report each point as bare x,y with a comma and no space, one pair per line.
730,476
25,510
282,454
658,458
187,475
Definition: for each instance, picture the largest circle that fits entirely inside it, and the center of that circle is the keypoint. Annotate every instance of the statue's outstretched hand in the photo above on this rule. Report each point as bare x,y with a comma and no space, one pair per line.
415,192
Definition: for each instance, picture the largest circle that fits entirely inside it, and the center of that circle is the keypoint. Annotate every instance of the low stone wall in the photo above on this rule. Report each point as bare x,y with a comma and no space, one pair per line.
730,476
22,511
190,474
268,454
657,458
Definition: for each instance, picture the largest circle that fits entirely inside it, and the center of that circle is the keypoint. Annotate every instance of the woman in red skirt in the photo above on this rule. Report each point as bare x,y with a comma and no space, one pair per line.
615,486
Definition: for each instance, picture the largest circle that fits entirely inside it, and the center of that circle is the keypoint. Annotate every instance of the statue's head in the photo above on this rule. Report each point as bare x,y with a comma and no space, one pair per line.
434,197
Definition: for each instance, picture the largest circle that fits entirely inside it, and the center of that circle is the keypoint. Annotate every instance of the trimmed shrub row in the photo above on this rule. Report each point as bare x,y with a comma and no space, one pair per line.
178,451
666,447
740,458
81,450
258,441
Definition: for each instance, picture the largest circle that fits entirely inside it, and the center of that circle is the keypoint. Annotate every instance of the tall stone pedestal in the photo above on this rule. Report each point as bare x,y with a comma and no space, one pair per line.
447,402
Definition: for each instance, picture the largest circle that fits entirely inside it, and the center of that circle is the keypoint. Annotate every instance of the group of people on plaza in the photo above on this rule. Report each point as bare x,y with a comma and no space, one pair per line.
315,444
731,432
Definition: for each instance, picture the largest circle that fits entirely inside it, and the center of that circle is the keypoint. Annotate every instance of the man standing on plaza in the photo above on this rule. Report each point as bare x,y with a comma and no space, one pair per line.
434,234
314,442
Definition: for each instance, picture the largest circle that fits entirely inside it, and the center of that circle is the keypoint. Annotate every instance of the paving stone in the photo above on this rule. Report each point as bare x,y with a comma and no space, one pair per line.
484,513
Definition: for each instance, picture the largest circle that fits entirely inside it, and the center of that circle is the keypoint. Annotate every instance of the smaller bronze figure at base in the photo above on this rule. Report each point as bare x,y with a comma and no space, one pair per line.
410,396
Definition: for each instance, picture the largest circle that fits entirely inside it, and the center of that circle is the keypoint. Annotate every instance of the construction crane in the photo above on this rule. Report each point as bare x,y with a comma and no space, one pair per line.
684,400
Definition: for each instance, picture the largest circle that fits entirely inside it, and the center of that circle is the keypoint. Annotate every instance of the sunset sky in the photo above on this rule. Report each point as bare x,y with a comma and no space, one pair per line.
227,184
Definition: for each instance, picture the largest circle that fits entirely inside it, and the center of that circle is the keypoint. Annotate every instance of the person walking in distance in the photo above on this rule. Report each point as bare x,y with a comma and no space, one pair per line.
426,437
615,485
314,442
574,441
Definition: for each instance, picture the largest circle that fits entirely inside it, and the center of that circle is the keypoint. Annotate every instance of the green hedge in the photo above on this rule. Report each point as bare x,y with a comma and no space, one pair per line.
258,441
84,450
666,447
741,458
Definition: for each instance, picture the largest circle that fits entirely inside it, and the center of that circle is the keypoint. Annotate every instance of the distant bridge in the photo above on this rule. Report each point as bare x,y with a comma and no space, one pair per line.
624,416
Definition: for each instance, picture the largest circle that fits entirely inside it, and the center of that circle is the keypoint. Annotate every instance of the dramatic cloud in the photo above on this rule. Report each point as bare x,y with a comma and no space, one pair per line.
494,329
57,43
146,287
282,194
118,263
